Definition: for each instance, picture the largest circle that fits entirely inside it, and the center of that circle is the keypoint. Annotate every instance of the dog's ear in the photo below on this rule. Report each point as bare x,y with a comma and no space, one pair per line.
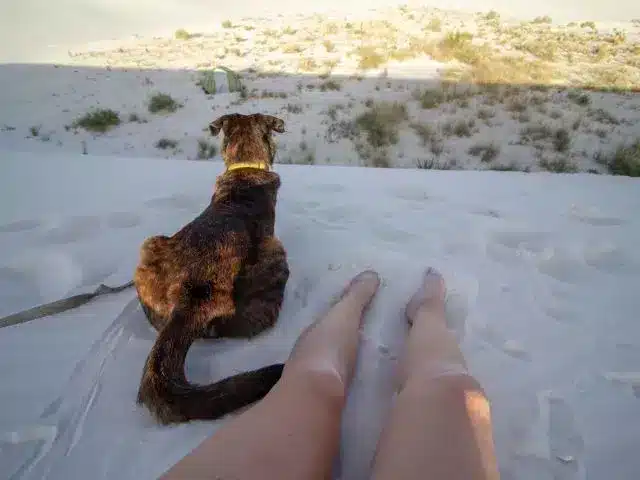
273,123
217,125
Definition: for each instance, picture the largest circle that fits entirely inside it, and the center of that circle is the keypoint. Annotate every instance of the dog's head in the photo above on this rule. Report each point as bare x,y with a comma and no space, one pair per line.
247,138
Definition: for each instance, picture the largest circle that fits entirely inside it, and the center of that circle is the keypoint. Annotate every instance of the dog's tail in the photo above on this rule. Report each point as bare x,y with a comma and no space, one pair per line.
166,392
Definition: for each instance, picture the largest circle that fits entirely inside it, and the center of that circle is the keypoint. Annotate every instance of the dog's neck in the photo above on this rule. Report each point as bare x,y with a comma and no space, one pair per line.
259,165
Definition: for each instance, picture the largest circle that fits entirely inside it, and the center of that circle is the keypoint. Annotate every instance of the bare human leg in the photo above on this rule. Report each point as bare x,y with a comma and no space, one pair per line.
440,424
293,432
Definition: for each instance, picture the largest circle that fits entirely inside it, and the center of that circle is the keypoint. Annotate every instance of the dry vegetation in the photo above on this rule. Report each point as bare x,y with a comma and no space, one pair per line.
98,120
163,103
535,80
625,160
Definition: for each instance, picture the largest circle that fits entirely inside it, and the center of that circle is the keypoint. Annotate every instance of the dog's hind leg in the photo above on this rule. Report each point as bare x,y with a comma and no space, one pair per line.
260,292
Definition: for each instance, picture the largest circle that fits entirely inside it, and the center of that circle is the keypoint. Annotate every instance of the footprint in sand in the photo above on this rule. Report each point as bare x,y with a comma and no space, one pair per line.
510,347
487,213
123,220
562,266
387,233
563,312
566,444
534,242
300,291
418,196
511,246
76,229
611,259
562,304
593,216
335,218
553,447
631,379
39,275
73,229
19,226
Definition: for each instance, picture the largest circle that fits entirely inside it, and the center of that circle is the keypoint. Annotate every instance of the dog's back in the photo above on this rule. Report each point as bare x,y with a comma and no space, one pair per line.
223,274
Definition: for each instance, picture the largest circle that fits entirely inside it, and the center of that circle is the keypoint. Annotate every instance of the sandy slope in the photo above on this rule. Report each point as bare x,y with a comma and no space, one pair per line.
542,279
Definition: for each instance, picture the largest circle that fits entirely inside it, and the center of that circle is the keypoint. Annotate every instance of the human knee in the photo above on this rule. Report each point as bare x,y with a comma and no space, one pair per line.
323,383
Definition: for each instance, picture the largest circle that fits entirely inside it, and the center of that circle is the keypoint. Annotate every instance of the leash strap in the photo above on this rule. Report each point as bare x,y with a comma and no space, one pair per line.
59,305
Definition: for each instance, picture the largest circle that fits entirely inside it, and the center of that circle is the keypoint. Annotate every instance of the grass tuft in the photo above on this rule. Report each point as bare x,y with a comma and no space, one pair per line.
166,143
459,128
542,20
625,160
206,150
535,133
581,99
135,118
182,34
507,167
329,46
561,140
425,132
369,58
486,152
434,25
163,103
434,164
558,165
330,85
380,123
98,121
602,116
294,108
431,98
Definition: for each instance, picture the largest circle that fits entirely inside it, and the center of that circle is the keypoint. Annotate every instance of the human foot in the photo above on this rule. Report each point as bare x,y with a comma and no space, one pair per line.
431,294
362,287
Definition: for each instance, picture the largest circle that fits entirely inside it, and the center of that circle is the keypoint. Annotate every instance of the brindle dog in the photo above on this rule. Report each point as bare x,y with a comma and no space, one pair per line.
222,275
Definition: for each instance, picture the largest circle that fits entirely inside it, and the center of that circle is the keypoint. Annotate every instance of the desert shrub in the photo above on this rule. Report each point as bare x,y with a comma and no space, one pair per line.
166,143
558,165
369,58
487,152
543,19
162,102
206,150
561,140
182,34
380,123
625,160
579,98
99,120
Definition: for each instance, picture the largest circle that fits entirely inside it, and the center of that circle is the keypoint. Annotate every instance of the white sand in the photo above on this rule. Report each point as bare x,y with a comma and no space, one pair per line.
542,273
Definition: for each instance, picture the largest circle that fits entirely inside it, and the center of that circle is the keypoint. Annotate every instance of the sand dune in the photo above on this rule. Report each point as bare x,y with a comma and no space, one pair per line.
364,89
40,30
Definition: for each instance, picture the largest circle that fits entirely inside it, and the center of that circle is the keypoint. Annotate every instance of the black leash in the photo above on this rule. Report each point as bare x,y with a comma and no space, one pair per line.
59,305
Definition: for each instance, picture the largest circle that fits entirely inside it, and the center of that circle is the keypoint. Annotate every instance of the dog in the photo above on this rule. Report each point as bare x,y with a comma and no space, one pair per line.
221,275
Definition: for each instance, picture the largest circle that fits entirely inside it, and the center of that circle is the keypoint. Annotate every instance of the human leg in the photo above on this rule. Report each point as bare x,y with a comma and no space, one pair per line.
440,424
293,432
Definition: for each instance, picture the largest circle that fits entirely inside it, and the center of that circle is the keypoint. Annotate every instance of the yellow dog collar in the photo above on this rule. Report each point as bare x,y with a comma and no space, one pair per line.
259,165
